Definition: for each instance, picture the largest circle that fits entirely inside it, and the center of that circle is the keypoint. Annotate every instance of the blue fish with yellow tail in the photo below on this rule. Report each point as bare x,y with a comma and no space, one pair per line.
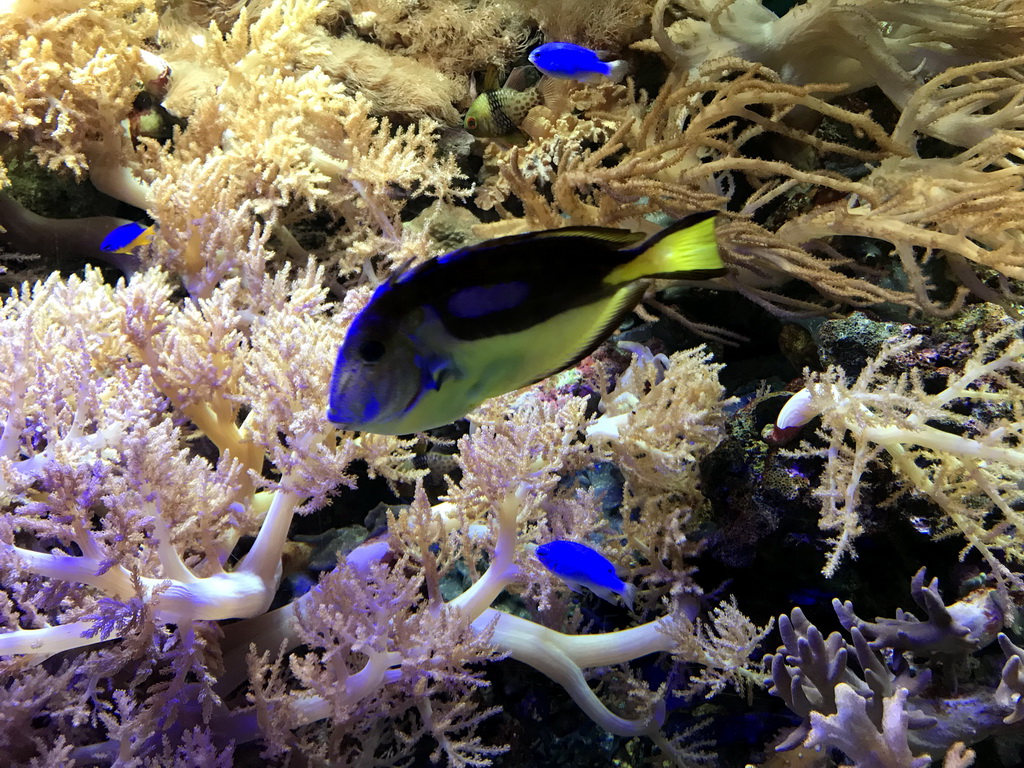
569,61
128,237
581,566
437,340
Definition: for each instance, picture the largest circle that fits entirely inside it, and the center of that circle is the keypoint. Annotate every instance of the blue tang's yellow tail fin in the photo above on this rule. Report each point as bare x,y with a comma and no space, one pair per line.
687,249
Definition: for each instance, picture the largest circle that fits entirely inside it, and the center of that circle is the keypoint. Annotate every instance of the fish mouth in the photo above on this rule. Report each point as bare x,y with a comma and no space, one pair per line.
346,417
346,421
337,418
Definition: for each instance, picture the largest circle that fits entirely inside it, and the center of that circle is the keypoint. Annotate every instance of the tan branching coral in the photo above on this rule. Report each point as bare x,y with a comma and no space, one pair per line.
624,159
453,36
683,390
855,43
966,105
291,36
69,77
953,209
609,26
673,154
302,143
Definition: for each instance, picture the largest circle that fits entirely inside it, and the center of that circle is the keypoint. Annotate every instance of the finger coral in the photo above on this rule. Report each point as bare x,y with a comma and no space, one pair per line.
885,715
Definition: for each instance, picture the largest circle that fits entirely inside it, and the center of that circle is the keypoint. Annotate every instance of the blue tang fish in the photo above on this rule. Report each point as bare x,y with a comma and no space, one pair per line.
568,61
437,340
128,237
580,566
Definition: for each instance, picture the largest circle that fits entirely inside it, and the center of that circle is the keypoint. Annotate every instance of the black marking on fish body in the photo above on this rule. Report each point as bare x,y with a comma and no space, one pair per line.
483,300
496,106
508,108
560,269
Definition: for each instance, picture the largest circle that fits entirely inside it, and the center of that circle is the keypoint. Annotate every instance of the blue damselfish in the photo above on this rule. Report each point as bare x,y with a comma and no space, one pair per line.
128,237
439,339
569,61
581,566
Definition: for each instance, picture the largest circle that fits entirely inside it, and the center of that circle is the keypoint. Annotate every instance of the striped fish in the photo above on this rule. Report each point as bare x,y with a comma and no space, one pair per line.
439,339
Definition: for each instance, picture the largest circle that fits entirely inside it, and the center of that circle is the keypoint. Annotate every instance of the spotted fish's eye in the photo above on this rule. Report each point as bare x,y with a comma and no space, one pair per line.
470,123
371,351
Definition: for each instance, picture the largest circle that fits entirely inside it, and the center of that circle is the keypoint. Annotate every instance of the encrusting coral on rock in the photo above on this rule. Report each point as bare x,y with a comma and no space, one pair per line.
837,413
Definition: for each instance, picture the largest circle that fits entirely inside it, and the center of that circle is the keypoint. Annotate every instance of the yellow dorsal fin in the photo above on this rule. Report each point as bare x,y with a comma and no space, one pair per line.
491,80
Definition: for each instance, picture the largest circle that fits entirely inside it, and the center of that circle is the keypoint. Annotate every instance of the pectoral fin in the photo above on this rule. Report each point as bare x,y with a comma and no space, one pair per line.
435,372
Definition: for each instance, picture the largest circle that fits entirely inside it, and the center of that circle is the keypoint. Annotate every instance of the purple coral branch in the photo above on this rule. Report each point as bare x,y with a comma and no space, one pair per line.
855,732
1010,692
889,713
956,630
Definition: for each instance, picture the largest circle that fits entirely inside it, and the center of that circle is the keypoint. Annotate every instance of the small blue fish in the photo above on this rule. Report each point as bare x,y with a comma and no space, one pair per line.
437,340
128,237
568,61
580,566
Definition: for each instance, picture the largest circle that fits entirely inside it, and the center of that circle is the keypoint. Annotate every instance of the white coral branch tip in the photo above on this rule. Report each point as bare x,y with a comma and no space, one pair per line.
797,411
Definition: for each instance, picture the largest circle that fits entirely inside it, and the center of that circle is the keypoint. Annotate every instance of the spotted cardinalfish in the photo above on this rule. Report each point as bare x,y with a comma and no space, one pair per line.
437,340
500,112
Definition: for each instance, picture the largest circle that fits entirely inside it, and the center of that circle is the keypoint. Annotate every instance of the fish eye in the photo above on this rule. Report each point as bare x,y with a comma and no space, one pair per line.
371,351
143,101
471,123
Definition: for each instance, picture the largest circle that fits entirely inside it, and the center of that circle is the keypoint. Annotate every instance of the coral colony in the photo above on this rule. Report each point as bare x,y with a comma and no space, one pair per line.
198,568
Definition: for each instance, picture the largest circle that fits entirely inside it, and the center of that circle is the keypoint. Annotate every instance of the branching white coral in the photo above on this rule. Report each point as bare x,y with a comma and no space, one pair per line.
971,469
89,419
107,503
856,43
